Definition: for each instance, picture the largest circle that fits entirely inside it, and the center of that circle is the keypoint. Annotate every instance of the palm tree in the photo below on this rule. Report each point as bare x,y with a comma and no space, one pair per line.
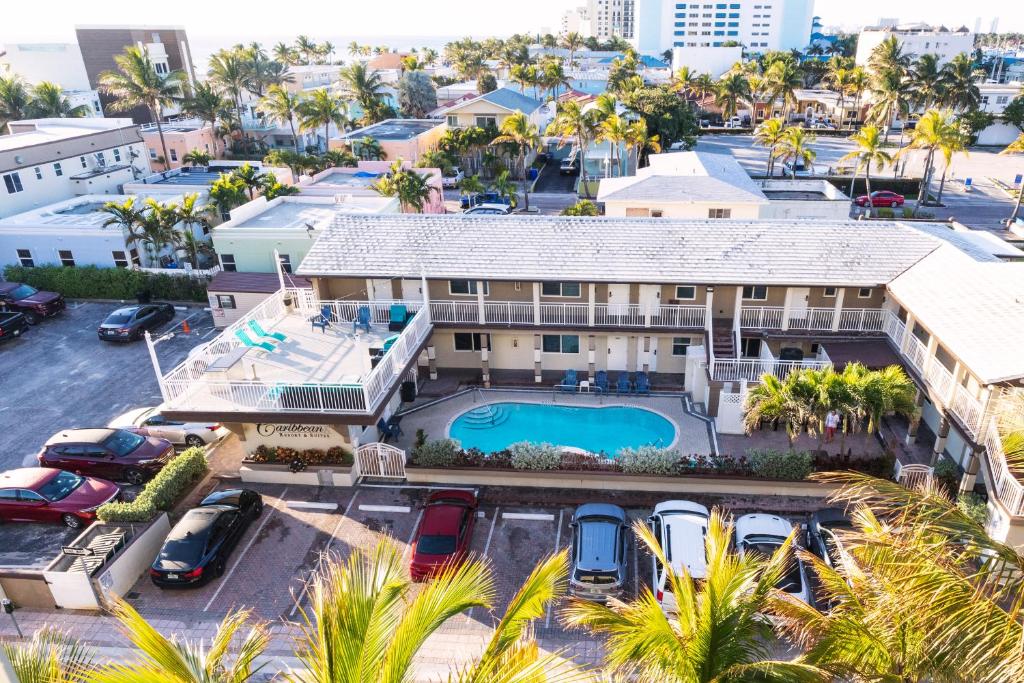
251,177
857,84
795,148
782,80
732,91
772,400
229,74
1016,147
615,131
322,108
642,142
161,658
227,193
284,53
366,88
573,42
196,157
205,103
281,105
926,81
124,215
369,149
718,633
935,129
136,83
518,130
412,188
770,134
48,101
49,657
354,49
684,82
305,47
889,99
870,151
888,55
14,100
881,392
503,186
471,185
572,122
959,84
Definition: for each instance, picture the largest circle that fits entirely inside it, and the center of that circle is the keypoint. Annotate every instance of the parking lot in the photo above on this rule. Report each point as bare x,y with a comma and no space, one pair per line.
59,375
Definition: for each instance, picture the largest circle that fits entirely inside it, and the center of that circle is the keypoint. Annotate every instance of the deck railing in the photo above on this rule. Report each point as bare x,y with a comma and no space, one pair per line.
1009,490
812,319
514,313
751,369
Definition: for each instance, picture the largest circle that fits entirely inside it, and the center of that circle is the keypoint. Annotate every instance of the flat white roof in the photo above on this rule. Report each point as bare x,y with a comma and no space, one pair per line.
290,213
80,212
41,131
685,177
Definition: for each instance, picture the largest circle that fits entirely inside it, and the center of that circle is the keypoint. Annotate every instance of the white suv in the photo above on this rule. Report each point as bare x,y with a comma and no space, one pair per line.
680,527
763,534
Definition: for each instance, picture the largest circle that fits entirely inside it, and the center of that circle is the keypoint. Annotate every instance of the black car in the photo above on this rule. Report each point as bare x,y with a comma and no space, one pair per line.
12,325
821,536
198,546
129,323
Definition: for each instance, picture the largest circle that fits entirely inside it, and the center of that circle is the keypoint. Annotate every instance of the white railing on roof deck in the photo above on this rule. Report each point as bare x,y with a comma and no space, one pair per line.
916,352
812,319
751,369
1008,489
568,314
189,387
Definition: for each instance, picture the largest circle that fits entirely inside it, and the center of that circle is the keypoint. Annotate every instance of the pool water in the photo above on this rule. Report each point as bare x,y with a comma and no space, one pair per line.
495,426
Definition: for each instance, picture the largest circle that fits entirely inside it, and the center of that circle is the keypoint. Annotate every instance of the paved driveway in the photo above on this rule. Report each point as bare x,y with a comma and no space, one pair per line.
58,375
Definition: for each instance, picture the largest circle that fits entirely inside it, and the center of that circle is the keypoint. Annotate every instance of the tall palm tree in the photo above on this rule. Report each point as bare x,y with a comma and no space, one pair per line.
306,47
731,92
136,83
573,123
684,81
573,42
412,188
890,98
49,101
769,134
354,49
281,105
14,100
782,79
284,53
230,75
960,78
881,392
870,151
615,131
926,81
366,87
251,177
888,55
518,130
795,148
718,633
642,142
857,84
322,108
934,130
205,103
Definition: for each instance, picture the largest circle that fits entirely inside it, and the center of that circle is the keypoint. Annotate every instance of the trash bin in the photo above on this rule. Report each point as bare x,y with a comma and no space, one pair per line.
533,174
408,392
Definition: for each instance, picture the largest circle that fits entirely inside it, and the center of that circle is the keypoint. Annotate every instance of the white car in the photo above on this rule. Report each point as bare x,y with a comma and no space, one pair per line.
763,534
149,422
680,527
489,210
453,178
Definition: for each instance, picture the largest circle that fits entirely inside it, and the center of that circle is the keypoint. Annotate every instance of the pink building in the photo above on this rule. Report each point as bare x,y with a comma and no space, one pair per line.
181,137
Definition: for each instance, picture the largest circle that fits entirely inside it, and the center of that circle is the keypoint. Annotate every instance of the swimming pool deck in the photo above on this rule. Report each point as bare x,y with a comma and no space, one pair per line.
434,419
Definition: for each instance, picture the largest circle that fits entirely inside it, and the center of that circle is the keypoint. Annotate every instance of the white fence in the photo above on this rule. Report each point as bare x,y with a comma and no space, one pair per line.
912,475
751,369
379,461
812,319
567,314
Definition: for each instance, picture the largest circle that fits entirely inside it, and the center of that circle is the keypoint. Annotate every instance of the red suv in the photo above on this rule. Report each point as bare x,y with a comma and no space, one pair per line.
35,304
114,454
883,198
41,494
444,532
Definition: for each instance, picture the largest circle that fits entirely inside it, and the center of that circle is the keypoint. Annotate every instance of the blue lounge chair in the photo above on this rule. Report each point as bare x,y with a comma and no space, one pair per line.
643,383
363,319
397,317
601,382
388,343
324,319
623,386
249,343
569,382
389,429
255,326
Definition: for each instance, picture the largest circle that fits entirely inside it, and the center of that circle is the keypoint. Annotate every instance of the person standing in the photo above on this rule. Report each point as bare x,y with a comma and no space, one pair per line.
831,424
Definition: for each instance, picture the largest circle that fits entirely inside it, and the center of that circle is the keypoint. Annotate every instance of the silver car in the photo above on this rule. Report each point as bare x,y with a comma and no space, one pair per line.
150,422
598,551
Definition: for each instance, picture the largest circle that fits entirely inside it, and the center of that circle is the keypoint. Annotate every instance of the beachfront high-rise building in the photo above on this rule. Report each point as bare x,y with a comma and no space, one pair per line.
917,39
611,18
577,20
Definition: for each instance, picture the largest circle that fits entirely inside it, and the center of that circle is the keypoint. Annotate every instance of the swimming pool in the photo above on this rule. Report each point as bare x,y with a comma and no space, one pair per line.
495,426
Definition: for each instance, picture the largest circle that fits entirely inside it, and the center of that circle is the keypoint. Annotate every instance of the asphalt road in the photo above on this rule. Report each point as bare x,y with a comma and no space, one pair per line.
59,375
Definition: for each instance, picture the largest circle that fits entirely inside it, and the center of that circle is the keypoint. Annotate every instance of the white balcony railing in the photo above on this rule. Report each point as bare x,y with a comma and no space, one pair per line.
812,319
567,314
751,369
1008,489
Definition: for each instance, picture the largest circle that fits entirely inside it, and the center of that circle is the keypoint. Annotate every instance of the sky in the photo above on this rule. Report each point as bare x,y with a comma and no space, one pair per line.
332,19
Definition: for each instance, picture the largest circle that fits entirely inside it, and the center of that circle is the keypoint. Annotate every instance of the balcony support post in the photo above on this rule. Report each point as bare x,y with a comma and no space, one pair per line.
737,313
591,357
481,314
940,438
787,305
971,470
929,357
908,332
591,303
915,420
709,310
958,376
536,304
837,312
536,354
485,363
432,361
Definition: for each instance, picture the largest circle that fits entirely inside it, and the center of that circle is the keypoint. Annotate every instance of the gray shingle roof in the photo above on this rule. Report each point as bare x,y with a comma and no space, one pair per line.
511,100
666,188
657,250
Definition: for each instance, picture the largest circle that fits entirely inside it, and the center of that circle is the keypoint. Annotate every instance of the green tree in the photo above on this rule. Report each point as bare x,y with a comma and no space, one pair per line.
572,123
416,95
870,151
926,81
934,130
280,105
369,149
365,87
321,108
412,188
204,102
1015,147
666,115
272,188
782,79
519,131
795,148
136,83
640,140
732,92
229,74
772,399
503,186
196,157
49,101
486,83
251,177
470,186
583,207
959,83
770,133
14,100
573,42
227,193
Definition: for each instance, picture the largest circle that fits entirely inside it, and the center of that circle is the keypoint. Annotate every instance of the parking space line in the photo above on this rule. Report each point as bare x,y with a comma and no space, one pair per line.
323,554
558,544
415,528
385,508
227,577
183,321
536,516
487,547
212,330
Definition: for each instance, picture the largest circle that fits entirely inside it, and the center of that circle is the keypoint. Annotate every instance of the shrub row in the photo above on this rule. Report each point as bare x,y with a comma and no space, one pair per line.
650,460
90,282
335,455
161,492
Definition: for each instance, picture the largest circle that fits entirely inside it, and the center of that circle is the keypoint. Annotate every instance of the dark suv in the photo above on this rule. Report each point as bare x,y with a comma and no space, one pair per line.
35,304
113,454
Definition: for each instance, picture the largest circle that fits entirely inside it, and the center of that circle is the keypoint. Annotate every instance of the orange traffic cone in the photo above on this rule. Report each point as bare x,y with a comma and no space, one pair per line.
185,329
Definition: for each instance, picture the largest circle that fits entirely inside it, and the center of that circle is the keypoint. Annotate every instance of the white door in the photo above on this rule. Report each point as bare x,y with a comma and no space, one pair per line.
380,290
649,357
798,298
650,299
618,351
618,299
412,290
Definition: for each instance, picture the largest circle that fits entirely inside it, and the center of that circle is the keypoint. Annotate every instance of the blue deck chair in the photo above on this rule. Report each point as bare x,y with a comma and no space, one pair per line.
623,385
388,343
601,382
255,326
363,319
397,317
643,383
324,319
569,382
249,343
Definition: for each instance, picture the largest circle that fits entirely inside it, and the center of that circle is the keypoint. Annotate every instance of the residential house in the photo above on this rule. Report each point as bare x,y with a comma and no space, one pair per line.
181,136
405,139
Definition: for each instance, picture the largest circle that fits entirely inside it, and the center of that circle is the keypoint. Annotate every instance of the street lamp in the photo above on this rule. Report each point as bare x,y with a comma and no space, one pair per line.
151,345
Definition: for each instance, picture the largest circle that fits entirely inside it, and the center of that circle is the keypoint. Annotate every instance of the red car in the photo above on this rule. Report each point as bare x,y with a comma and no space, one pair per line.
42,494
35,304
883,198
114,454
444,532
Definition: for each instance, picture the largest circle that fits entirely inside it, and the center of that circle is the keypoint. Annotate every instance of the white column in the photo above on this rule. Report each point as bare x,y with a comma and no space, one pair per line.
278,269
787,304
709,309
958,376
929,355
156,364
908,332
481,315
736,321
536,304
591,303
837,312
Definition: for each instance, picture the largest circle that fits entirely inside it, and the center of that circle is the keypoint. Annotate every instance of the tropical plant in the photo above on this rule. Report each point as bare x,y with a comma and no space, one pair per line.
573,42
519,131
926,81
204,102
365,86
503,186
772,399
869,152
573,124
229,75
583,207
322,108
369,149
717,633
136,83
14,100
959,82
49,101
935,130
614,130
731,92
471,185
227,193
49,657
770,133
196,157
280,105
795,149
416,94
642,142
782,79
412,188
189,213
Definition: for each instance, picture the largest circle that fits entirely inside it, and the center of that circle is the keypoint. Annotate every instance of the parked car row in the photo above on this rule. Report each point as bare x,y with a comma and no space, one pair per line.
23,306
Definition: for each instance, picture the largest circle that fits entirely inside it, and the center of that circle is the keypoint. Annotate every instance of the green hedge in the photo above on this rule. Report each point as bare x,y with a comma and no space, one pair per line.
90,282
160,492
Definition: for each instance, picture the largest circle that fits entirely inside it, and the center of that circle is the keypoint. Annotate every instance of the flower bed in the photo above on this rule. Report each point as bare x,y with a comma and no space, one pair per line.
335,455
648,460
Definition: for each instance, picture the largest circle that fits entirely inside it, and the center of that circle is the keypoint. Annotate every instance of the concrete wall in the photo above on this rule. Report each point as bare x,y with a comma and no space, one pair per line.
122,573
91,247
680,209
945,45
244,302
254,253
712,60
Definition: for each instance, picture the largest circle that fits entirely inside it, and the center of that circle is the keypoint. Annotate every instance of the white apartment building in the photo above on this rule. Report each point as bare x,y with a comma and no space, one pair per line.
44,161
916,39
610,18
577,20
994,99
758,25
59,63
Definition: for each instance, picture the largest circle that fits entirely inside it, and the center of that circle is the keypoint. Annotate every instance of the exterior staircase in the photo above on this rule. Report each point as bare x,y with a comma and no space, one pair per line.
722,340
